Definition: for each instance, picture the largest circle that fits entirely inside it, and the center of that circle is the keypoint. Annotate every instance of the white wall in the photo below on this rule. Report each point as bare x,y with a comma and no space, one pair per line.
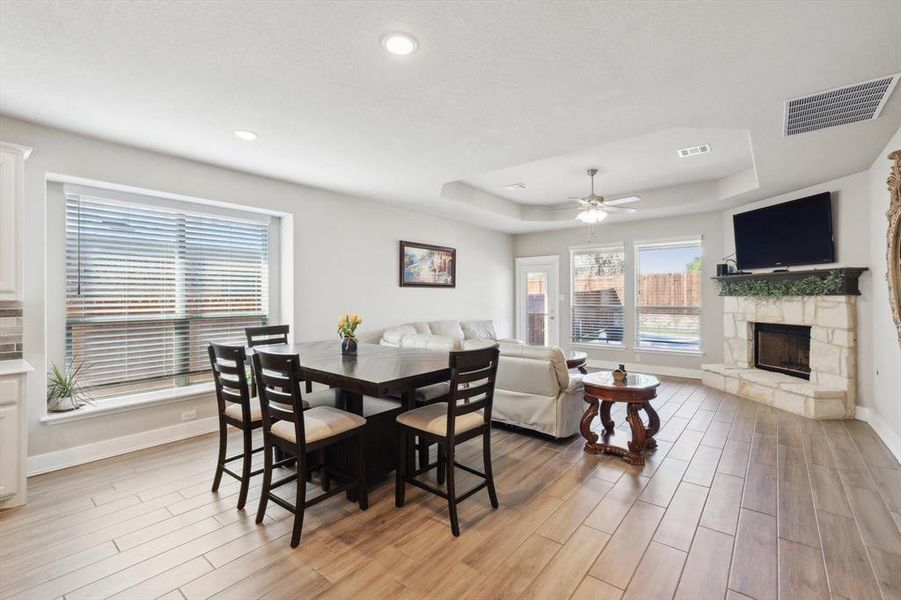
883,375
707,225
345,259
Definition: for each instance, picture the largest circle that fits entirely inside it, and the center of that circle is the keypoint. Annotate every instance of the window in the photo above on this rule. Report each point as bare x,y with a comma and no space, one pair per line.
597,293
149,283
668,290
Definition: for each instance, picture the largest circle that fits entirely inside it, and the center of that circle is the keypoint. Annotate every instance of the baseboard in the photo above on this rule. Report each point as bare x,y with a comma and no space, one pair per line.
891,439
650,369
61,459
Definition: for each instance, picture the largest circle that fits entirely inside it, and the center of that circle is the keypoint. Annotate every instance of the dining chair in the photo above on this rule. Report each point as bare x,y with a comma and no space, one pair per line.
297,430
236,408
270,334
465,415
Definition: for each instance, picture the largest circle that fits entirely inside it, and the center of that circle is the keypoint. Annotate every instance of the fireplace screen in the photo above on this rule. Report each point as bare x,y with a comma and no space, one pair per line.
782,348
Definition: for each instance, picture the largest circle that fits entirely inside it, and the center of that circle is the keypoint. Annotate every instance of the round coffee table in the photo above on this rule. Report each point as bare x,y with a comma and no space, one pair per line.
636,391
577,360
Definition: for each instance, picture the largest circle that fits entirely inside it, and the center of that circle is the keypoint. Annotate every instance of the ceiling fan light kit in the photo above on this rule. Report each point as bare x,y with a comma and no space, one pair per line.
595,208
591,216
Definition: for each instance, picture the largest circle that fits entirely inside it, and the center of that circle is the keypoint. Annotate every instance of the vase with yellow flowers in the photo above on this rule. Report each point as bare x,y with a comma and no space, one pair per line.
347,330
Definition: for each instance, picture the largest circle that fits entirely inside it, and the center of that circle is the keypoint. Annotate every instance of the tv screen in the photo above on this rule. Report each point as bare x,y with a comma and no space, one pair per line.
792,233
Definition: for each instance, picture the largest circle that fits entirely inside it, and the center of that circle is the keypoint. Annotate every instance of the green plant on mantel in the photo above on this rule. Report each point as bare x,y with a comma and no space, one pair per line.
764,288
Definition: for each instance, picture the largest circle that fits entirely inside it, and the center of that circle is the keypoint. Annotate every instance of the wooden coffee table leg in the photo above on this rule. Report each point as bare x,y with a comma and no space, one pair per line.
590,436
653,424
605,416
635,456
583,370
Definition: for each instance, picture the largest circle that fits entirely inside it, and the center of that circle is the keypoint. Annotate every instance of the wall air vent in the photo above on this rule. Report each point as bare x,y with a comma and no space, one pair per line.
693,151
839,106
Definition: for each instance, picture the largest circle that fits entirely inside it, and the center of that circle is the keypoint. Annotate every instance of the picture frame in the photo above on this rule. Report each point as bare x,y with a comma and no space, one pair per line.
427,265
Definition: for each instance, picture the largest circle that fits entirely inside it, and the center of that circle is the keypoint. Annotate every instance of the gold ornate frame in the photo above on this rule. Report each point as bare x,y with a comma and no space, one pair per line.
893,256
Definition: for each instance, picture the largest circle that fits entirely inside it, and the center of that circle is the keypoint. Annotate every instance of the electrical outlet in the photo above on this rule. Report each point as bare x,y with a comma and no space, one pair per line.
189,415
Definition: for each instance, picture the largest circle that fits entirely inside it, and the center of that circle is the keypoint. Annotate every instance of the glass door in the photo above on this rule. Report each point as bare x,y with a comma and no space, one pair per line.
537,302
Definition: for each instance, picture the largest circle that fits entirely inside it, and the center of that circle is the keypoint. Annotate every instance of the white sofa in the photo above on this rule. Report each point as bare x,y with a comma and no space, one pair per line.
534,388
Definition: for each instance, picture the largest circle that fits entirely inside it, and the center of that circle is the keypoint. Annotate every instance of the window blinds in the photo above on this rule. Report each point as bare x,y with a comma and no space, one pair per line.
149,285
598,290
668,288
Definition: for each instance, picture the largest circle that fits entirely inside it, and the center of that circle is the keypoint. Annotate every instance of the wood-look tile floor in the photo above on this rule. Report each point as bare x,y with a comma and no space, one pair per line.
739,500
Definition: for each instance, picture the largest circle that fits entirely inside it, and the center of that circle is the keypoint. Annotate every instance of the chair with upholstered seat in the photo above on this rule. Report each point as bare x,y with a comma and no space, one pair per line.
297,430
236,408
465,415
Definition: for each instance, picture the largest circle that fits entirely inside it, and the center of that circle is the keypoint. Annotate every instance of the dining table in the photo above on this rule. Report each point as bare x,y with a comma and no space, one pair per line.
378,383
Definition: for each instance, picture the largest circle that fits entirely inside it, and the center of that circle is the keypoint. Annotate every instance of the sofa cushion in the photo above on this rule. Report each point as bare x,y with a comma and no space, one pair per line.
477,344
479,330
421,327
421,341
449,329
395,335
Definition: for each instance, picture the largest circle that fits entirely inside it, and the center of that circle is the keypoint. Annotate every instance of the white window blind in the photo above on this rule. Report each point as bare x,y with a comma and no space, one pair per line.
598,290
668,289
149,285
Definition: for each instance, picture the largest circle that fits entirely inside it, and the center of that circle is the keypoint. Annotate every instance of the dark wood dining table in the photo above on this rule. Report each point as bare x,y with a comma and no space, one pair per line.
378,383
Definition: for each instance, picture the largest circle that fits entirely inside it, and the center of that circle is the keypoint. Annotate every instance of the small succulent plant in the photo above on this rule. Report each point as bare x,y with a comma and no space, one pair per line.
64,388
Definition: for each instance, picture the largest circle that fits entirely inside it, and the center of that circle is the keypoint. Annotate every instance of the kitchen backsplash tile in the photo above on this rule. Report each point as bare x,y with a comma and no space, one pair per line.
10,330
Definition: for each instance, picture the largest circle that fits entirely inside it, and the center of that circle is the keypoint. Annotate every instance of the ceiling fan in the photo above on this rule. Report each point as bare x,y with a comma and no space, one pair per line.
594,208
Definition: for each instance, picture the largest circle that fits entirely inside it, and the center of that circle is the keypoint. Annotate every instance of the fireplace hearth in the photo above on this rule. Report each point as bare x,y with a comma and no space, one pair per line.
782,348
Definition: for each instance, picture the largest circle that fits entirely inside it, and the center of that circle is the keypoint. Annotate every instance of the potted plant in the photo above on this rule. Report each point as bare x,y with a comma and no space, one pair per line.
347,330
64,389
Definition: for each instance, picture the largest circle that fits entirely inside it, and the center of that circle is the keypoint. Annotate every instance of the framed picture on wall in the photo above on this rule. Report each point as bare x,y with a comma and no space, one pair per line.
425,265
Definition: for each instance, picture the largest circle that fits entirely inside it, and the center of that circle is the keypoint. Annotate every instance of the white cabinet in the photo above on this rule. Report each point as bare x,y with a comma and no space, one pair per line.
13,450
12,205
9,448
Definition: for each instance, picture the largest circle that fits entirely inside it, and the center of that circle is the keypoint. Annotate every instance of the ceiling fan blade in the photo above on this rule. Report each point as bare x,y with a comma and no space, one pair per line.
618,209
625,200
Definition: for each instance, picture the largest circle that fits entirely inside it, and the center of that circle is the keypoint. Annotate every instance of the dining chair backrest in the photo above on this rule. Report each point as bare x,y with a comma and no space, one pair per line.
267,334
230,376
473,374
278,380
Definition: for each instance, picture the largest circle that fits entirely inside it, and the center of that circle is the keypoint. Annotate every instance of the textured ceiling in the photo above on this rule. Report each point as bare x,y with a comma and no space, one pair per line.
493,85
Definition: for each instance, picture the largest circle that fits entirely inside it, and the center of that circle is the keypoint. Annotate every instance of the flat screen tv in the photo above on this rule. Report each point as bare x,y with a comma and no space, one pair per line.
783,235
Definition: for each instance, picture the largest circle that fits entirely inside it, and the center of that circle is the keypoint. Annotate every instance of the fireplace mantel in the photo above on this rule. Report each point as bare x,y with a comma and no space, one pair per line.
848,278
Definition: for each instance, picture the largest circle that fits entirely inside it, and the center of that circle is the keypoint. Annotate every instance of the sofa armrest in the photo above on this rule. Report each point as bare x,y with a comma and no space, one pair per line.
510,341
575,383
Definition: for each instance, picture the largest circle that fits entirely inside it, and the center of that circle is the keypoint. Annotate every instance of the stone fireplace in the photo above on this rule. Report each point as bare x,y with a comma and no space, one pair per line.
807,363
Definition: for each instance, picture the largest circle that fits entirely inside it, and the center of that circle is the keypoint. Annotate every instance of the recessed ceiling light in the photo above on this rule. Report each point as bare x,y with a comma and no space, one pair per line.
515,187
693,151
247,136
400,43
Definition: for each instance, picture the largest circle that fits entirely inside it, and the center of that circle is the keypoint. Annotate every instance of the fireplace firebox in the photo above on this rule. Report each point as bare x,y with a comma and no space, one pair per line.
782,348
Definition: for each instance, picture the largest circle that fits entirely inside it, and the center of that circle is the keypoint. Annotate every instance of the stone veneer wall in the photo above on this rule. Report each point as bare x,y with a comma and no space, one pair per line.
10,330
831,390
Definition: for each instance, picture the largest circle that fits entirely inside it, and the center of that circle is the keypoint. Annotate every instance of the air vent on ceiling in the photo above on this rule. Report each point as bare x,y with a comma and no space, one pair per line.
839,106
693,151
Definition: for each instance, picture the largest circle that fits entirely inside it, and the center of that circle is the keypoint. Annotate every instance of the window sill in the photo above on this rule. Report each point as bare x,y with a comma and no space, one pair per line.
616,347
117,404
669,351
